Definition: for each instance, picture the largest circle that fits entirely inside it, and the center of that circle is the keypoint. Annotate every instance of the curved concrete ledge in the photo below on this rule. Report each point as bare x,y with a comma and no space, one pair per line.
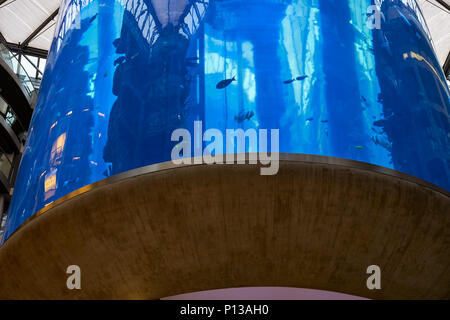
161,231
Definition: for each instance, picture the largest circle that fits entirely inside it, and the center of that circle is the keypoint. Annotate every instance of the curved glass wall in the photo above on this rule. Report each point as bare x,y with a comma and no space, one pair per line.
355,79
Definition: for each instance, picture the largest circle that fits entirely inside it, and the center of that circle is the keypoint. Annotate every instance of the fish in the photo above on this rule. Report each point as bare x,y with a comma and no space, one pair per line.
383,142
249,115
310,119
324,121
105,74
192,64
225,83
300,78
363,99
239,119
244,115
359,147
119,60
380,123
193,59
93,18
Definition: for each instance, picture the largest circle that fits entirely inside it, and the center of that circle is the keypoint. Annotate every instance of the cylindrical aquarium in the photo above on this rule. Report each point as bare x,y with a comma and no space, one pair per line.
352,79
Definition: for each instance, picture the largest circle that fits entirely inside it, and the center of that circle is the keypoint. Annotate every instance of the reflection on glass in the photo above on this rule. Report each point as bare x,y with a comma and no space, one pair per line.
50,184
123,74
57,149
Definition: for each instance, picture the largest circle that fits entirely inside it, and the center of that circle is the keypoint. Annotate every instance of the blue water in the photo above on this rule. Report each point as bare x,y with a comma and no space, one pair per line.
122,75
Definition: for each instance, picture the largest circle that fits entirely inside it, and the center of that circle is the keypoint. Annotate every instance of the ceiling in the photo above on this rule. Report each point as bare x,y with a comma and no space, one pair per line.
31,23
437,17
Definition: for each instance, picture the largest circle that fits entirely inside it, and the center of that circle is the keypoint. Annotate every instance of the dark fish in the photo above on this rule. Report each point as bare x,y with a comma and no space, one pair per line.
301,78
119,60
249,115
310,119
288,81
383,142
93,18
225,83
193,59
363,99
324,121
244,115
192,64
379,123
105,74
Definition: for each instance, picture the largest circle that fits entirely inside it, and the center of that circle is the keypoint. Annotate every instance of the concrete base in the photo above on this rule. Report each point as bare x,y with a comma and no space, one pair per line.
163,230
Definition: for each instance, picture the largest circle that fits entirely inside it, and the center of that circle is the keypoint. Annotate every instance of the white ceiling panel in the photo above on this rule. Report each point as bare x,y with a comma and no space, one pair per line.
438,21
19,18
44,38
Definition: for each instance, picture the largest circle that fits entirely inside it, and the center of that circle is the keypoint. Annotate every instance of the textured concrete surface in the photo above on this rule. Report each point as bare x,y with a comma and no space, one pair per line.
187,229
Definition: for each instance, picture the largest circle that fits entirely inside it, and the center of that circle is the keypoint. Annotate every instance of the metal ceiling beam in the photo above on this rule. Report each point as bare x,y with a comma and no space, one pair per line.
444,4
14,47
25,50
2,38
447,67
39,29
